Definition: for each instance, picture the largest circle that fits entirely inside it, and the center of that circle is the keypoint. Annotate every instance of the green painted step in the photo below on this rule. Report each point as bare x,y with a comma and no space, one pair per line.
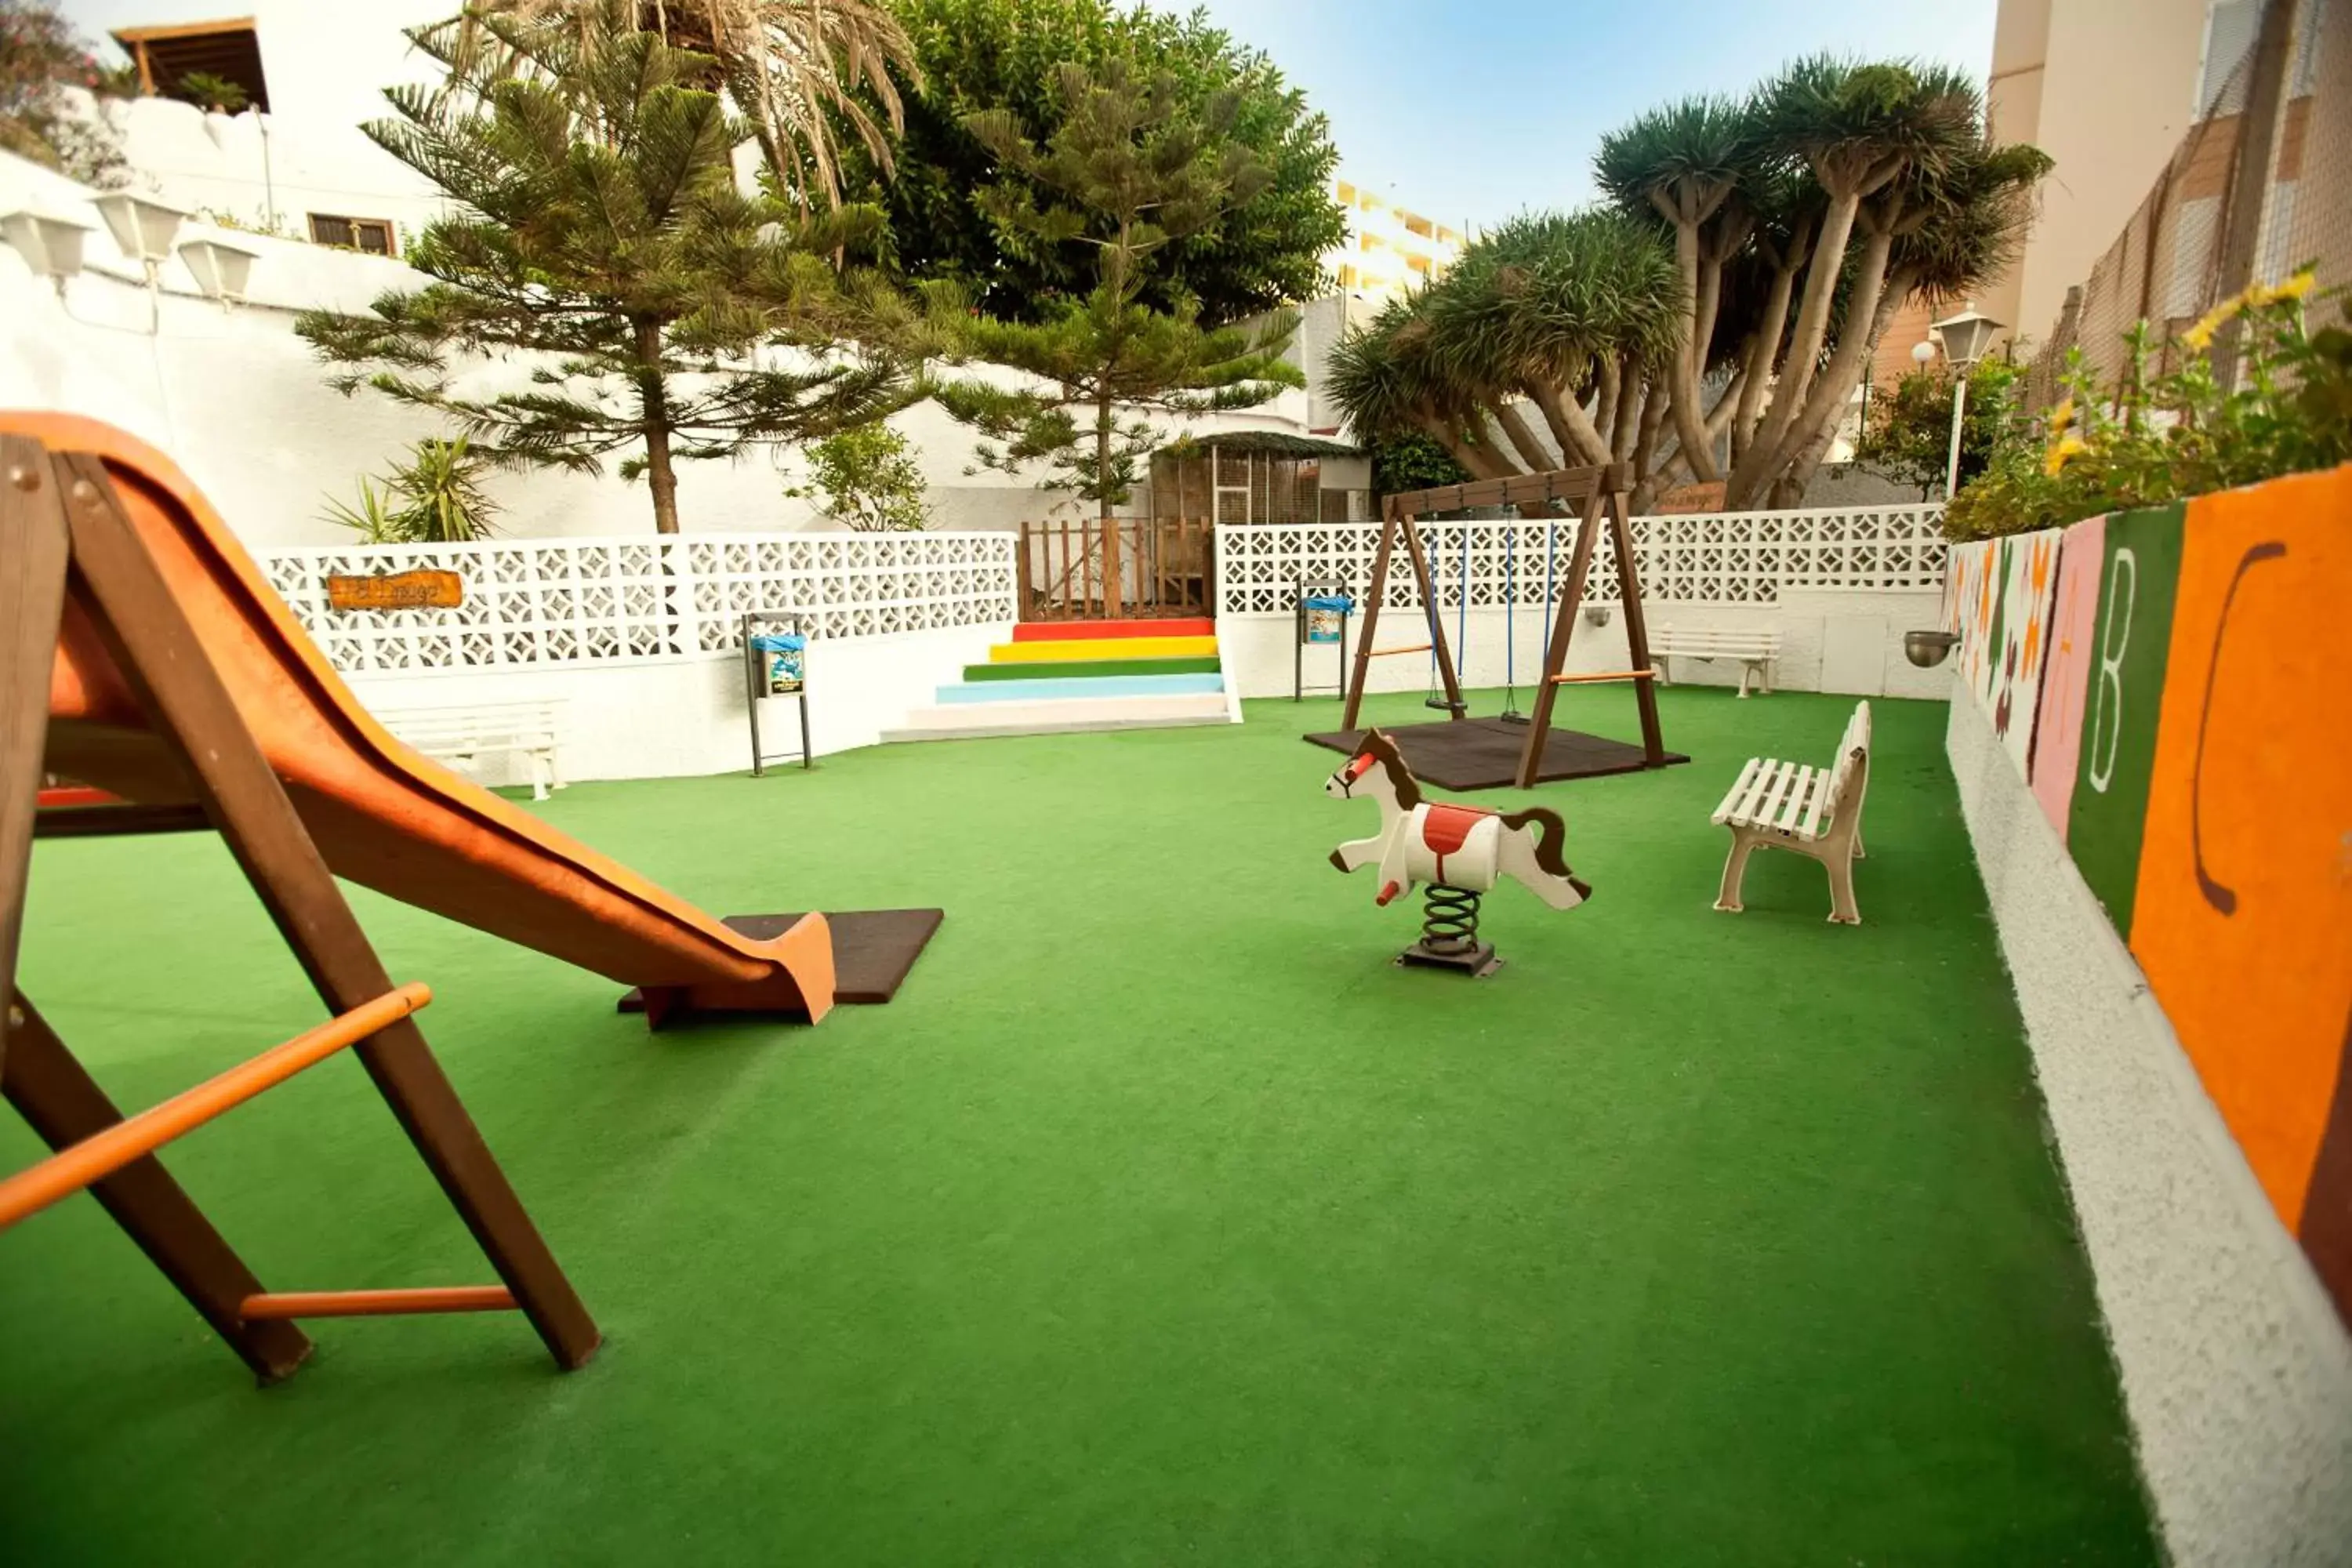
1203,664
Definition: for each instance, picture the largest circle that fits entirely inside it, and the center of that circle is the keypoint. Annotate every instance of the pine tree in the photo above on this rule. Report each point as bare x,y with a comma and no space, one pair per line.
1133,170
598,227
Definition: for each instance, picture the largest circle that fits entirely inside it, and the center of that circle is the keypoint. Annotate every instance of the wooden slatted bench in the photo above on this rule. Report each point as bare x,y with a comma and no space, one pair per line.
1812,811
1756,648
532,730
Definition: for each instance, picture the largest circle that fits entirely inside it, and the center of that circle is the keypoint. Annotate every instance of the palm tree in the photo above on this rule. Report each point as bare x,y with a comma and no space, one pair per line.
1549,308
1382,378
799,71
1946,234
1686,162
1834,193
1858,128
1552,307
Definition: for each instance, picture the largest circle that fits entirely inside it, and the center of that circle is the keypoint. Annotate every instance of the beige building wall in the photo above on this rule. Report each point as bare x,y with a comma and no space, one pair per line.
2107,88
2020,49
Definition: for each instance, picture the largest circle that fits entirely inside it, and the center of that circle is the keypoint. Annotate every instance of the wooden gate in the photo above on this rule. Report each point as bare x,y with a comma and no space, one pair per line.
1087,569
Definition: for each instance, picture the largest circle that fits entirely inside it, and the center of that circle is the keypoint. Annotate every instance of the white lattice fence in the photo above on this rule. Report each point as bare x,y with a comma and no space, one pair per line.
596,601
852,586
1744,557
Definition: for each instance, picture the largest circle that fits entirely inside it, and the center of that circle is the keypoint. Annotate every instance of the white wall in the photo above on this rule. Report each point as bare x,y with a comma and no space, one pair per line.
684,716
327,63
2236,1372
245,407
264,170
1844,640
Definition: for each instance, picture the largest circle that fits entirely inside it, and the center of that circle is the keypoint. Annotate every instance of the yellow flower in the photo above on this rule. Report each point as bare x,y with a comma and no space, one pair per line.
2200,336
2296,287
2062,416
2066,448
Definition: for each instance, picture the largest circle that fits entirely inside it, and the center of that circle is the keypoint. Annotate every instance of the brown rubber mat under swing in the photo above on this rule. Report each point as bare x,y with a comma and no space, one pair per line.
1484,753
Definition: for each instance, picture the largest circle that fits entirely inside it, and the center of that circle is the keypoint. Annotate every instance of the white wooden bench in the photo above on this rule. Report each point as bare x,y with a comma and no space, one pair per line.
1812,811
1757,649
532,730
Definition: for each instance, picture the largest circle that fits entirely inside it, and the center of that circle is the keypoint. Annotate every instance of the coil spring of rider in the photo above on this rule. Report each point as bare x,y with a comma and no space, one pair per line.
1449,919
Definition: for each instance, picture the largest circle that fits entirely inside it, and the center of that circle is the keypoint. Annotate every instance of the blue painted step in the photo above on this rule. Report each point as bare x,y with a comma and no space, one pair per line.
1082,686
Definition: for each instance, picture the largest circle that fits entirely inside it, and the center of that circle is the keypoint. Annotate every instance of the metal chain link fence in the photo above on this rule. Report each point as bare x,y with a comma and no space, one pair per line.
2259,187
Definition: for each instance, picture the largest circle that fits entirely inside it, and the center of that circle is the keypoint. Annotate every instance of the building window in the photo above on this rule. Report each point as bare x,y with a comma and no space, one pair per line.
372,235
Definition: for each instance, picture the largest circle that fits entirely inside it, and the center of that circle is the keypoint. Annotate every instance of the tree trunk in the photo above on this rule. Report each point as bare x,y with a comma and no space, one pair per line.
1554,409
1763,353
1800,470
1580,443
1613,388
1837,380
1710,305
1805,348
1687,359
1114,598
1715,419
1718,418
1719,246
653,410
1646,444
1522,437
1632,383
1474,455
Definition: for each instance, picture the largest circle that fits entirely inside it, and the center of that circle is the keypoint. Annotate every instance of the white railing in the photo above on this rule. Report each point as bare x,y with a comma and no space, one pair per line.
1736,557
603,600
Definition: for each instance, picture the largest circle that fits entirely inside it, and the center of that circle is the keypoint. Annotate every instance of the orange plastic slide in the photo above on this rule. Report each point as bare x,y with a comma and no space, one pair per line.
381,815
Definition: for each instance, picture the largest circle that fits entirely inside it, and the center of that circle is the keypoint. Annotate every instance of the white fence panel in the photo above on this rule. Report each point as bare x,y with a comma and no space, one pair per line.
1729,558
610,601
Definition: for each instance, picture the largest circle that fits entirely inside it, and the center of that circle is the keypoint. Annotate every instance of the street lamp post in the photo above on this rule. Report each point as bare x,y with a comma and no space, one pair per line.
1965,337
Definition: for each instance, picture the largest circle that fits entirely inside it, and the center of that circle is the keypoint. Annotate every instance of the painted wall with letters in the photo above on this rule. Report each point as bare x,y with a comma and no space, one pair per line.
2169,684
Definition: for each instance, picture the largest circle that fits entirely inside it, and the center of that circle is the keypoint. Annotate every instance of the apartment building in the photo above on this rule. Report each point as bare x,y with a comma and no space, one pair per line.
1388,251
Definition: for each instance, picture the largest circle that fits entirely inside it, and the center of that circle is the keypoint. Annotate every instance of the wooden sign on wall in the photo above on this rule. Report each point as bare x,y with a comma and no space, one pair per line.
422,590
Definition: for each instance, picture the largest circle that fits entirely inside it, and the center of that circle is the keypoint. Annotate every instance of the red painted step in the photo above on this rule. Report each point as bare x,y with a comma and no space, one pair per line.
74,795
1069,631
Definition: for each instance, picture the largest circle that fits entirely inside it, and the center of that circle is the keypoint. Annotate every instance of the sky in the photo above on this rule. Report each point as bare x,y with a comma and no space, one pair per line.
1468,113
1463,113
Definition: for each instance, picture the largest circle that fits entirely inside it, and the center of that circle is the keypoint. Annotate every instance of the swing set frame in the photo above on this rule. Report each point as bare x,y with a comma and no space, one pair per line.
1598,493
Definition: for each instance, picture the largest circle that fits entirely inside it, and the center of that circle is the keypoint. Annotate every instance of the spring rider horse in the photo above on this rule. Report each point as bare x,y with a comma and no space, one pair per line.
1460,851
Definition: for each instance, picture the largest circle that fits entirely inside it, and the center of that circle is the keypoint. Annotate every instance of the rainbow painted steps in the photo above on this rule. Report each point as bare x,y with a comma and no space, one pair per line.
1057,676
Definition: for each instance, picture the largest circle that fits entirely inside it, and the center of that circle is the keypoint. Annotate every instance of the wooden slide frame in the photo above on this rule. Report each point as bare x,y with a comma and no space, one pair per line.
1597,491
64,534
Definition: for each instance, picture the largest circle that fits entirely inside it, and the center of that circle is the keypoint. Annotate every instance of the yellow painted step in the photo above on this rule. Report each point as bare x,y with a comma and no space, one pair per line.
1071,648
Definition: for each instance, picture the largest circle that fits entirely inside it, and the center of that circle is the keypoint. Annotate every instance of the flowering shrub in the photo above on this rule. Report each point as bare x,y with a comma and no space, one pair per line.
2153,439
40,57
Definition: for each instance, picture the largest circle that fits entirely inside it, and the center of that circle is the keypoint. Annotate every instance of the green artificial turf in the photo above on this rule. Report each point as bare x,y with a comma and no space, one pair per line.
1161,1219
